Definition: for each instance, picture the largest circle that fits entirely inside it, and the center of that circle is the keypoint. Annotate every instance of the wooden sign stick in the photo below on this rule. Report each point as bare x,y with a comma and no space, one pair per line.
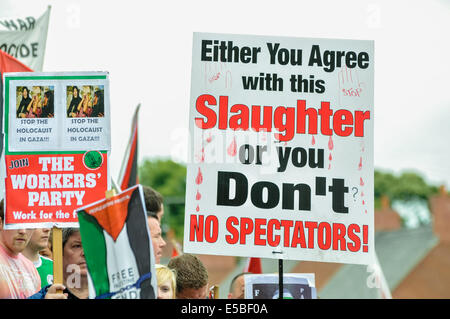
57,257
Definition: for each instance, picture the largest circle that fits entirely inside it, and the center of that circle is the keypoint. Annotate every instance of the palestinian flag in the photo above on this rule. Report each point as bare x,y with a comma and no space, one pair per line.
117,247
129,171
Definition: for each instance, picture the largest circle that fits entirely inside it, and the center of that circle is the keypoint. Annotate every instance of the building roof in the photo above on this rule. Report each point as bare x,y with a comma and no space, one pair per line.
431,277
399,252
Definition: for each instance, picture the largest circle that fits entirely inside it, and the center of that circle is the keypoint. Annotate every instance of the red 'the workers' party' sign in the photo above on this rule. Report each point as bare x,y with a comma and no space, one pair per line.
47,188
57,143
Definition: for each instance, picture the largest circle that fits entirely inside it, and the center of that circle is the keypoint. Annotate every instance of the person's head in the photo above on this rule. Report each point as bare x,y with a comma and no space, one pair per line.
48,98
153,202
39,239
73,254
98,98
47,251
237,286
166,279
13,240
158,242
25,92
192,276
36,90
75,91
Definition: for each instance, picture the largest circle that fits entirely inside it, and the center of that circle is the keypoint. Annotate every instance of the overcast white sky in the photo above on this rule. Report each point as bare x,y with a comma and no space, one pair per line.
146,46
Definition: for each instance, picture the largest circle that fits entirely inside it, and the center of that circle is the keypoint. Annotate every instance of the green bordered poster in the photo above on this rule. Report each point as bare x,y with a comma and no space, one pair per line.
57,141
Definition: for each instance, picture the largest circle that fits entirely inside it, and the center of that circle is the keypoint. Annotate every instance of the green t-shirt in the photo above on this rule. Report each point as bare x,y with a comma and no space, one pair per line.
44,267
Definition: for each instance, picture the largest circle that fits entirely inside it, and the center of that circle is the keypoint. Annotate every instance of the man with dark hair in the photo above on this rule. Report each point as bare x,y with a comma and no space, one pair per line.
158,242
18,276
192,276
153,202
154,206
237,286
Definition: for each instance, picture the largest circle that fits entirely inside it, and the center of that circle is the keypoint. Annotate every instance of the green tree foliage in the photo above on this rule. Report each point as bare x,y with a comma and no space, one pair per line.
168,178
407,186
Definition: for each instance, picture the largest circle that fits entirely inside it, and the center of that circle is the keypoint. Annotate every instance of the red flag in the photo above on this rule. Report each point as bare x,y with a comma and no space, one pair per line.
174,252
253,265
8,64
176,247
129,170
11,64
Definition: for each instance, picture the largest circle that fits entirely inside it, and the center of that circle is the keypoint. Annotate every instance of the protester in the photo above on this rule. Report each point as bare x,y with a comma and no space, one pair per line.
98,107
76,100
75,280
24,102
44,266
191,275
48,105
153,202
237,286
48,251
158,242
166,279
34,109
85,106
18,276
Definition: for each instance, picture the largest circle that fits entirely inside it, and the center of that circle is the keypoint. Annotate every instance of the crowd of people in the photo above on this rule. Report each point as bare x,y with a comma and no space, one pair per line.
26,265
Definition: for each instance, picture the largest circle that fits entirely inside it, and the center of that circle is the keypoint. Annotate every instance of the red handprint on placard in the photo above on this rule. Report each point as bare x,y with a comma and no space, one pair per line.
217,74
349,85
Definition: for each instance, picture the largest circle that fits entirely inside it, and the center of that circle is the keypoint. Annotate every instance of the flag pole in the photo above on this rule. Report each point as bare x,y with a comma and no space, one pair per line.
57,257
117,187
280,278
126,158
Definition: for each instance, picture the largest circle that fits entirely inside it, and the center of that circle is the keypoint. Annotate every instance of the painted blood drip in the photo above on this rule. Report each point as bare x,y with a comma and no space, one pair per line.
202,155
232,149
198,196
199,178
330,158
198,208
361,182
360,164
362,194
313,140
209,138
330,144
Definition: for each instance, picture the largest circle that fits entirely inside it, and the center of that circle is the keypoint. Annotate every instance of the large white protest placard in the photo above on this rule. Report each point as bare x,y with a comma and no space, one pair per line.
281,148
25,38
57,143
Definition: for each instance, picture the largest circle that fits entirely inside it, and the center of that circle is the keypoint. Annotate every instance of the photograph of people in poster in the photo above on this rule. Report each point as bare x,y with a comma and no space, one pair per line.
35,101
266,286
85,101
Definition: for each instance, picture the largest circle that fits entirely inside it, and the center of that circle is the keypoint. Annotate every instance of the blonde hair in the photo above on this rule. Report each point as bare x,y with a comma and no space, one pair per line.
163,274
